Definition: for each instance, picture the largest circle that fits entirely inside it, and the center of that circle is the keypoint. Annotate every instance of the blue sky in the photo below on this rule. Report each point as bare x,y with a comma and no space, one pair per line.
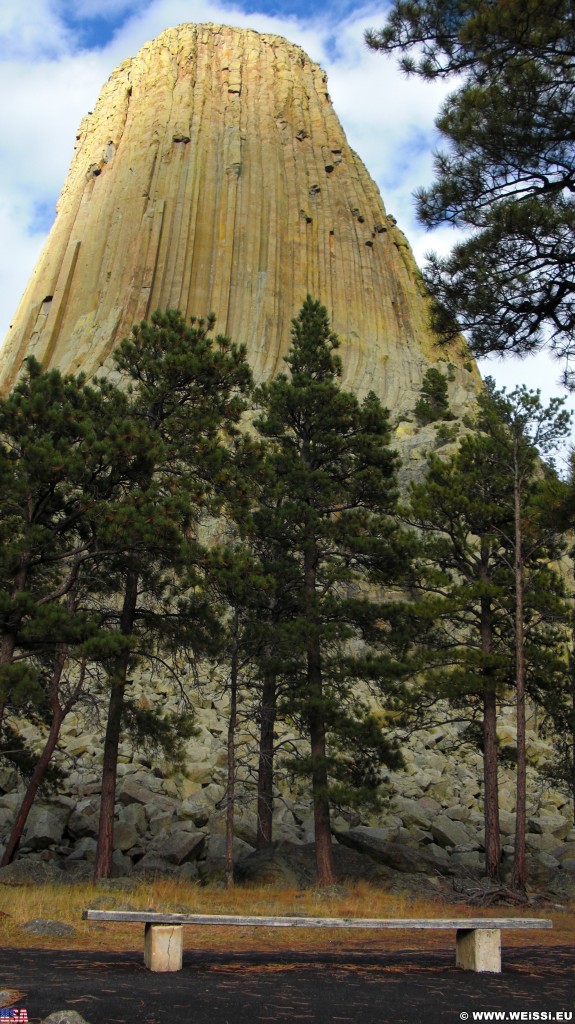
94,32
56,54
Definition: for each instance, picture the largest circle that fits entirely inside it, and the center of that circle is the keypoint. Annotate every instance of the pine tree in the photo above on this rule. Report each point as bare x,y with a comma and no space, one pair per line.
533,429
55,482
274,666
488,566
269,605
555,690
103,490
187,398
262,608
332,496
237,577
434,402
507,172
52,430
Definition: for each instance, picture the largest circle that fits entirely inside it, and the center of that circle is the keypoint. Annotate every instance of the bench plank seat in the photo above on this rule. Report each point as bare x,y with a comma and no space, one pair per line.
477,942
243,921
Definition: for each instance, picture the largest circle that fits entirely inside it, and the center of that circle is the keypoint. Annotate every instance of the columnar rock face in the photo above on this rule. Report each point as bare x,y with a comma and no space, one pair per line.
214,175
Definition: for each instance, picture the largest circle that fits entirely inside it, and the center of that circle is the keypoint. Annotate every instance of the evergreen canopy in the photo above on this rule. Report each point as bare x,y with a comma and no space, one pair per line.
330,502
508,172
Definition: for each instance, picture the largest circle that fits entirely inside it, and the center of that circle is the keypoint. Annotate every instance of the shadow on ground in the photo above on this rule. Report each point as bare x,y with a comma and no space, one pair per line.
406,987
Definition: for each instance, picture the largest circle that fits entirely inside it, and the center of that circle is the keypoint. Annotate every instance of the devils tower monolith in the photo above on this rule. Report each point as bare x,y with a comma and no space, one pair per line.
214,176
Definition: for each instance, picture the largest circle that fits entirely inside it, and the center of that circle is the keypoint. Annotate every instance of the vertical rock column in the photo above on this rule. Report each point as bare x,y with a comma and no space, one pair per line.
214,175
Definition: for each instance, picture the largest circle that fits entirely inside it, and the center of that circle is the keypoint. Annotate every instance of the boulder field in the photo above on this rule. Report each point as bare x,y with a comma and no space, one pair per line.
430,822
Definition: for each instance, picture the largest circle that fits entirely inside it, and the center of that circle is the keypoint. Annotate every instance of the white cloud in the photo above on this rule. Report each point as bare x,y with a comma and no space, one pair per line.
22,249
30,29
39,125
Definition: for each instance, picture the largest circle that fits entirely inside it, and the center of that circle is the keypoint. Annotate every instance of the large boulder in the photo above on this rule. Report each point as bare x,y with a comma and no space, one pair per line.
74,871
550,824
414,813
152,864
45,826
375,843
134,814
29,871
214,865
267,867
125,835
450,833
470,862
84,849
159,823
83,820
9,780
245,825
46,926
133,792
506,822
181,847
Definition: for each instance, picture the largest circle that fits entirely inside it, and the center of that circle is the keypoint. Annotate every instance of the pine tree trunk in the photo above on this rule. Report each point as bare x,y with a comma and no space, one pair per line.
491,788
58,715
7,646
490,780
105,847
8,641
519,876
266,763
321,811
572,723
231,786
319,778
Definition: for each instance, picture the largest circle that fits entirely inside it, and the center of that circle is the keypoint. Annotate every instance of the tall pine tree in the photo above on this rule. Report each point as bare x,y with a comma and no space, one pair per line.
330,507
187,394
486,569
59,478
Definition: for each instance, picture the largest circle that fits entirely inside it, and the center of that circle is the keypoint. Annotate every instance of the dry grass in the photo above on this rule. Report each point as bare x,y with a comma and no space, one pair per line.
65,904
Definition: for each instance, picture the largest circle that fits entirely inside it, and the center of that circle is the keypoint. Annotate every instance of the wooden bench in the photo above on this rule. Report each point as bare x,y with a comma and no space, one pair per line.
477,940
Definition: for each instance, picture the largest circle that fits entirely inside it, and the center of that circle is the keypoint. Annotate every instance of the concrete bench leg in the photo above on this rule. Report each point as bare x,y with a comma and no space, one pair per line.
478,949
163,947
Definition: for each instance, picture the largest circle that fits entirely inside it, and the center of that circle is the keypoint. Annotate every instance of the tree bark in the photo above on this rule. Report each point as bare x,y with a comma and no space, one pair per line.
265,804
322,826
7,646
572,723
491,788
105,847
519,876
320,784
231,786
58,715
490,780
8,641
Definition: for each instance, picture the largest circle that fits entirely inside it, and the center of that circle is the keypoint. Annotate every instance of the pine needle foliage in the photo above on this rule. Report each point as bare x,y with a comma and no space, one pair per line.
506,171
329,503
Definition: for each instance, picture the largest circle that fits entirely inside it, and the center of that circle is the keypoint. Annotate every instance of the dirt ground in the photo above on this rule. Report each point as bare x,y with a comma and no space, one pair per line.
401,986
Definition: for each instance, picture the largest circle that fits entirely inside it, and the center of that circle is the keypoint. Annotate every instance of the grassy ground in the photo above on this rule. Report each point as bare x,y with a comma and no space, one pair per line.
65,904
